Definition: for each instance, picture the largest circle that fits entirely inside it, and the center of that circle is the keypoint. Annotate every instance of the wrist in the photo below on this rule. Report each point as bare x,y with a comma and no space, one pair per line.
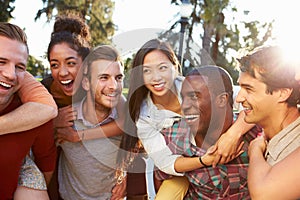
80,135
202,162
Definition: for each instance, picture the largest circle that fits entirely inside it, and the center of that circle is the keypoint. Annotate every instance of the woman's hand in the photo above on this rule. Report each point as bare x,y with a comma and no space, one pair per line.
65,117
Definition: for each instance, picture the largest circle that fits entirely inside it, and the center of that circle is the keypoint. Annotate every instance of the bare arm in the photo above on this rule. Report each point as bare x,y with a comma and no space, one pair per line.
66,133
38,108
184,164
280,181
227,145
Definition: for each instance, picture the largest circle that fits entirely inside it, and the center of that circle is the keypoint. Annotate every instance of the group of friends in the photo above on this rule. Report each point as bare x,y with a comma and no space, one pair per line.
76,136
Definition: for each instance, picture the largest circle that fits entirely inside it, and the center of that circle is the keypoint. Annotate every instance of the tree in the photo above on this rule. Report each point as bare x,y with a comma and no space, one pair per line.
36,67
97,14
6,9
219,38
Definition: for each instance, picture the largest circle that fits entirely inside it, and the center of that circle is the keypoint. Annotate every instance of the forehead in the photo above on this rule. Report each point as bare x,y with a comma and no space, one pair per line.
13,50
195,82
155,57
106,67
63,50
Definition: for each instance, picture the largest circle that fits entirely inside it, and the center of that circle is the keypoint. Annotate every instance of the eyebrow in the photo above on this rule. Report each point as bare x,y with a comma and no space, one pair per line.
161,63
245,85
68,58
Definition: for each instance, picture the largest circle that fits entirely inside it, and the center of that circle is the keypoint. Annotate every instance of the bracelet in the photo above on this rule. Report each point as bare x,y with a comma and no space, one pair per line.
200,159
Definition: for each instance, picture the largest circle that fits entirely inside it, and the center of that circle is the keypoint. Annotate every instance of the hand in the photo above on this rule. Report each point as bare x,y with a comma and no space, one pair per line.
258,145
67,134
65,117
227,147
119,190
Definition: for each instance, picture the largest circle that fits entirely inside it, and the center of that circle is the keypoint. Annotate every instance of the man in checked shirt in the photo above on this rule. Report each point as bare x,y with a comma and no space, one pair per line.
207,108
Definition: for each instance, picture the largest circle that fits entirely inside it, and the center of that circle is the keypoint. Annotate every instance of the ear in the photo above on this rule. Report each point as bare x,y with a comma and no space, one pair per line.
222,99
284,94
85,83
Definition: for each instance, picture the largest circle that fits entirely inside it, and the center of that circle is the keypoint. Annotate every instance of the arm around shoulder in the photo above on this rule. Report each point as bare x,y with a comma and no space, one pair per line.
38,107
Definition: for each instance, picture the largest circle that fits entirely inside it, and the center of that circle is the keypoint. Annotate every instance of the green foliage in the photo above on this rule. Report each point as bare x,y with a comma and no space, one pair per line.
220,40
97,14
36,67
6,9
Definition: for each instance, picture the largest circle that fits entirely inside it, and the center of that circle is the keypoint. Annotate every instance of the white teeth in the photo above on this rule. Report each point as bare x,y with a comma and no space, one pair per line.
5,85
158,86
66,82
190,117
111,95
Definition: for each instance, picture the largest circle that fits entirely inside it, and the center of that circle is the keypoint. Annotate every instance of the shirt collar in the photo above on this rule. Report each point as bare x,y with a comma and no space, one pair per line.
281,140
112,115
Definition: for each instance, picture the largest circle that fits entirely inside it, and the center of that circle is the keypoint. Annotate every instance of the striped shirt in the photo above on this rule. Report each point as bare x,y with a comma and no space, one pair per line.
227,181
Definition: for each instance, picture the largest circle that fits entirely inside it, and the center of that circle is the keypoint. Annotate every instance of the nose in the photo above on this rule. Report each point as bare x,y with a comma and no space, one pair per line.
9,72
240,98
186,104
156,76
112,84
63,71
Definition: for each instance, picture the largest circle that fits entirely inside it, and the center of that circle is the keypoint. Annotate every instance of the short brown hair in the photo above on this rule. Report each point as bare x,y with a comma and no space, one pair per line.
273,68
13,32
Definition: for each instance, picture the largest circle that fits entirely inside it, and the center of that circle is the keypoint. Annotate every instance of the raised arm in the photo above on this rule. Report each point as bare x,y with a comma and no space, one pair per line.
111,129
280,181
38,107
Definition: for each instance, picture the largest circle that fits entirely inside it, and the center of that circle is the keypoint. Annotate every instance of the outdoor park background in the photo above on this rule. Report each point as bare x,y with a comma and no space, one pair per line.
132,16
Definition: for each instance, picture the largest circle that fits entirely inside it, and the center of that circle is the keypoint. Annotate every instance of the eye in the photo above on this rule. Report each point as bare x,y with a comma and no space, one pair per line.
119,78
103,78
54,65
146,71
71,63
163,67
21,67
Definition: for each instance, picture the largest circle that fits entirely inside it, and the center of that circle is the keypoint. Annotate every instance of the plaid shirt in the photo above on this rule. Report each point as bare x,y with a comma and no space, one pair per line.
222,182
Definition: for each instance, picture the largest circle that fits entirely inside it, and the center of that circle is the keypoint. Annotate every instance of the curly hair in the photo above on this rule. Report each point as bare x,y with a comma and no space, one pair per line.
72,30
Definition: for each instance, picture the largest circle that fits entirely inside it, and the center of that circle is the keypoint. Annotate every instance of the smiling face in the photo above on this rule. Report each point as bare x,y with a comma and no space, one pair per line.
196,103
259,106
65,63
159,73
106,82
13,59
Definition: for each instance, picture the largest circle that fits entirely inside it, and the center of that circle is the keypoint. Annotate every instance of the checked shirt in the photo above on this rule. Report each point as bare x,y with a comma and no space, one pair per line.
227,181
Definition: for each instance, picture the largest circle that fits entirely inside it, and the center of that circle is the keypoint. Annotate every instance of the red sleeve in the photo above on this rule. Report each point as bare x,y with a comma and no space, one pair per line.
44,149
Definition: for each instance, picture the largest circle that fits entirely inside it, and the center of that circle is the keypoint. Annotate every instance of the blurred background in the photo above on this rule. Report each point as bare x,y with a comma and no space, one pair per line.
200,31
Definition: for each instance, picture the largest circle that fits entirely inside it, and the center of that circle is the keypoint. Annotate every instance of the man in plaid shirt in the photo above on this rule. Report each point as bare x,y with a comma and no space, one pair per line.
207,107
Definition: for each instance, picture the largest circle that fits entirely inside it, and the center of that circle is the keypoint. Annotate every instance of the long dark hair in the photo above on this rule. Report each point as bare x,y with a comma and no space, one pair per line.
138,92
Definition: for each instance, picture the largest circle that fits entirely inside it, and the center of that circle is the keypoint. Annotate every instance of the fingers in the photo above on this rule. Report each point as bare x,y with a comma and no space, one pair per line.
212,149
216,160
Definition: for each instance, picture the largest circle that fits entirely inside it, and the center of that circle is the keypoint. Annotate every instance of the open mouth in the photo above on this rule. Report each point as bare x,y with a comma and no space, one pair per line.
5,86
114,94
191,118
67,83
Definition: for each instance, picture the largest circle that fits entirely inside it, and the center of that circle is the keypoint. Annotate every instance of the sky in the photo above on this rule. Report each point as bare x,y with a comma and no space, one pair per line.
131,15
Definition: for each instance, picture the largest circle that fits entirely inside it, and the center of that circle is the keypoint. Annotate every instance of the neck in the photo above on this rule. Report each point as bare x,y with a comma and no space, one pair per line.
281,120
3,106
169,101
93,112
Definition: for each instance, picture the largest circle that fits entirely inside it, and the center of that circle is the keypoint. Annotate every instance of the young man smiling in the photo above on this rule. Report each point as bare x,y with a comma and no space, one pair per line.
269,93
87,168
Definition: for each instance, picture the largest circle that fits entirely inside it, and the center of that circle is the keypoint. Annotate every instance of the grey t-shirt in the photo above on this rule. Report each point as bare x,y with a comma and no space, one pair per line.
87,169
